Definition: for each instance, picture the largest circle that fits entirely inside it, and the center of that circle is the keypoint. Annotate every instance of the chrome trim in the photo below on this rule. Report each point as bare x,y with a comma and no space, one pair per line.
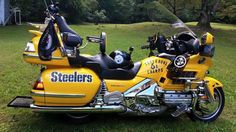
185,78
36,56
96,109
58,95
37,94
128,92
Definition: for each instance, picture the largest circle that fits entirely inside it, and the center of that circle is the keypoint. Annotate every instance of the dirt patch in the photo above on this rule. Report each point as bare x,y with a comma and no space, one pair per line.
4,118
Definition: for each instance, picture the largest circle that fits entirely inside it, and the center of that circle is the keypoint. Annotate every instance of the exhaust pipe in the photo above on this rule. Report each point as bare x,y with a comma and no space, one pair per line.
96,109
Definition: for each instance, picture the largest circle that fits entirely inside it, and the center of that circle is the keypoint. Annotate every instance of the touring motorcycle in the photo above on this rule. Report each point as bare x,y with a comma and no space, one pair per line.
173,78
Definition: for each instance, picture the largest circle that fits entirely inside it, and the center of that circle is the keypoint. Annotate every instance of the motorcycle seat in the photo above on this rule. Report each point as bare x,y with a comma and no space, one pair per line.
105,67
121,74
167,56
105,61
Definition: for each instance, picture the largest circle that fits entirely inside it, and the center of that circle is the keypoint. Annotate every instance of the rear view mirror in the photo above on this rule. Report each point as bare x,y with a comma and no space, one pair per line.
207,39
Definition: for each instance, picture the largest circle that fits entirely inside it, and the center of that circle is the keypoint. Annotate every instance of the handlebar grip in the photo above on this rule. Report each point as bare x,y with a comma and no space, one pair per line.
93,39
145,46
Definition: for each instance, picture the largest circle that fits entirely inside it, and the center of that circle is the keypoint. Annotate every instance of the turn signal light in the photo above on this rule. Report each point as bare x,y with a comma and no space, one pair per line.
38,85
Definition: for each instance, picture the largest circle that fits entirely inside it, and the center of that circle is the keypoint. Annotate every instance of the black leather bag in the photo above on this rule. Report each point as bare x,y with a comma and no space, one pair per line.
48,42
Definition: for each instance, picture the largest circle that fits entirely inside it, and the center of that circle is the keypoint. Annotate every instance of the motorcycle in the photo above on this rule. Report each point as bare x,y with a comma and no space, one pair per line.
174,77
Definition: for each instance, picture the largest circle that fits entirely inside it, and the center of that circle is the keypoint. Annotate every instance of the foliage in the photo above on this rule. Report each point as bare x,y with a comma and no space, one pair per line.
92,12
31,10
126,11
227,12
118,11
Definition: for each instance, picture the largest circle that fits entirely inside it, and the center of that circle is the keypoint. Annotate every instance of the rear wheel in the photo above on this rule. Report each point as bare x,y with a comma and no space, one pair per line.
78,118
207,111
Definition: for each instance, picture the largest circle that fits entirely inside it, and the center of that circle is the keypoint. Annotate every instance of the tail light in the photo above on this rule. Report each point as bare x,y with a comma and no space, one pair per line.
30,47
38,85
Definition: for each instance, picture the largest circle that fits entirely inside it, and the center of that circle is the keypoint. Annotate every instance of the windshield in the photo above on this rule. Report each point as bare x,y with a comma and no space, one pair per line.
171,23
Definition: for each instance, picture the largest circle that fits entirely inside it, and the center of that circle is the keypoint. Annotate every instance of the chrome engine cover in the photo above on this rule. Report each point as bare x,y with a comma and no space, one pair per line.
142,100
113,98
174,99
147,98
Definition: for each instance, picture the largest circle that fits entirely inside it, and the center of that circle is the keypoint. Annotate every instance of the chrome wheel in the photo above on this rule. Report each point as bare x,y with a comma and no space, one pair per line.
208,111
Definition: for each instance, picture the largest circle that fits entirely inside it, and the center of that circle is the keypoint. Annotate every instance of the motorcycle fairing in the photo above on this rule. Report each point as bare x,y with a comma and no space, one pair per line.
154,68
195,68
122,85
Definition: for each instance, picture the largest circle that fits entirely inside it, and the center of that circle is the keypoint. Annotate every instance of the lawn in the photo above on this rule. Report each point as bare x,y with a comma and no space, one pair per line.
16,78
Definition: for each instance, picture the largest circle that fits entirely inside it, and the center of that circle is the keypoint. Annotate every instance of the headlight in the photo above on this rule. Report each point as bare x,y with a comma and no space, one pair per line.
30,47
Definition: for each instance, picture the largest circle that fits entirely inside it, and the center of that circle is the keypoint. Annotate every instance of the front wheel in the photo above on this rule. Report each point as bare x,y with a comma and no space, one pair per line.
207,111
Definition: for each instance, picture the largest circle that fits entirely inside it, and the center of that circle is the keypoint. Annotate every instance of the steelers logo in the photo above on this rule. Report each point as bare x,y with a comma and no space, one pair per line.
119,59
180,61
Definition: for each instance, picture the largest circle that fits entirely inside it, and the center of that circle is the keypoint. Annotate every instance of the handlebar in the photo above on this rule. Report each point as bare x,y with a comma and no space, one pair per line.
93,39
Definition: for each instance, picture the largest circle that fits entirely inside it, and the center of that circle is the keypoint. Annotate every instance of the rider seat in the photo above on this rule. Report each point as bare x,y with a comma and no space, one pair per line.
105,67
167,56
121,74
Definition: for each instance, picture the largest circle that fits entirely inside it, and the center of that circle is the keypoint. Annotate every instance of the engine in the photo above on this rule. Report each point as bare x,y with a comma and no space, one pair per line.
149,99
175,99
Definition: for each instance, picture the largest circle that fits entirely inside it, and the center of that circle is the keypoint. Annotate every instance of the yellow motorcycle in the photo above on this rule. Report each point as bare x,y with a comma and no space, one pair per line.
172,79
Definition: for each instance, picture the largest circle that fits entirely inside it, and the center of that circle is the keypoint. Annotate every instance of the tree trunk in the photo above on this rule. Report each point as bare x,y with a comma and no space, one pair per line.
206,13
173,6
174,9
204,21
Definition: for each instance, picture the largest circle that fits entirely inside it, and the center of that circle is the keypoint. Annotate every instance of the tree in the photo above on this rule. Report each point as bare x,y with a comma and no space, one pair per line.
92,12
226,12
208,9
118,11
173,5
143,10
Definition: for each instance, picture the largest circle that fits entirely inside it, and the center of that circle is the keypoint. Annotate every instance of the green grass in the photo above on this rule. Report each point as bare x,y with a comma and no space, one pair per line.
217,25
16,78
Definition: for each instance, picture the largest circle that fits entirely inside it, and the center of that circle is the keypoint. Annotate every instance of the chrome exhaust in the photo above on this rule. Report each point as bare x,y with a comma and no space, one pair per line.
96,109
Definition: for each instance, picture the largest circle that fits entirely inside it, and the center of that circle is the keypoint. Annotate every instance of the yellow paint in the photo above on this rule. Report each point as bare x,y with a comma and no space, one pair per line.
209,38
89,89
122,85
193,66
162,64
154,67
38,100
212,84
35,32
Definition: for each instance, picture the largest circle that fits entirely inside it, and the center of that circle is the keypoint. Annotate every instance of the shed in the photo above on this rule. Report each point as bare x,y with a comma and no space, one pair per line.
4,11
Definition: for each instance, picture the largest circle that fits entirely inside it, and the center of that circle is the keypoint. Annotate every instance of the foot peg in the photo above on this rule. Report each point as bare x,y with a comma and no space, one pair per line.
180,110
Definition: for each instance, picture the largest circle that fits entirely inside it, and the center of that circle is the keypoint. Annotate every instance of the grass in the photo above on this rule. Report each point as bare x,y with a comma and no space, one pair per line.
217,25
16,78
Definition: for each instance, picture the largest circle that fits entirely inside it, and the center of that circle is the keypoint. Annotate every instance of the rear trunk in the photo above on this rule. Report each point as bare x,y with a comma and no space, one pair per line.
68,87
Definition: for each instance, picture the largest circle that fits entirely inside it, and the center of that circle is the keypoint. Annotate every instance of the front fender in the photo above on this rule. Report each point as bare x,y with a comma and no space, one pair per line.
212,84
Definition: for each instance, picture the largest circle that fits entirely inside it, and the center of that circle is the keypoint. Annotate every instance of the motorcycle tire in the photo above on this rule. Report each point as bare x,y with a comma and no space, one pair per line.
78,118
219,96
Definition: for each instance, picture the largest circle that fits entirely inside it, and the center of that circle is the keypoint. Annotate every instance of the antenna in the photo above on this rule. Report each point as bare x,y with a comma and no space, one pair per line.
51,1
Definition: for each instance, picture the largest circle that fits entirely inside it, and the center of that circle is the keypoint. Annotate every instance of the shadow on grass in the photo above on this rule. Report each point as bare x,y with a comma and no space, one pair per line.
96,122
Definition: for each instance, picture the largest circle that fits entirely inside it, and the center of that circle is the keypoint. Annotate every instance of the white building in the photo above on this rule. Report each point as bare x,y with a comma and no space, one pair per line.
4,11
